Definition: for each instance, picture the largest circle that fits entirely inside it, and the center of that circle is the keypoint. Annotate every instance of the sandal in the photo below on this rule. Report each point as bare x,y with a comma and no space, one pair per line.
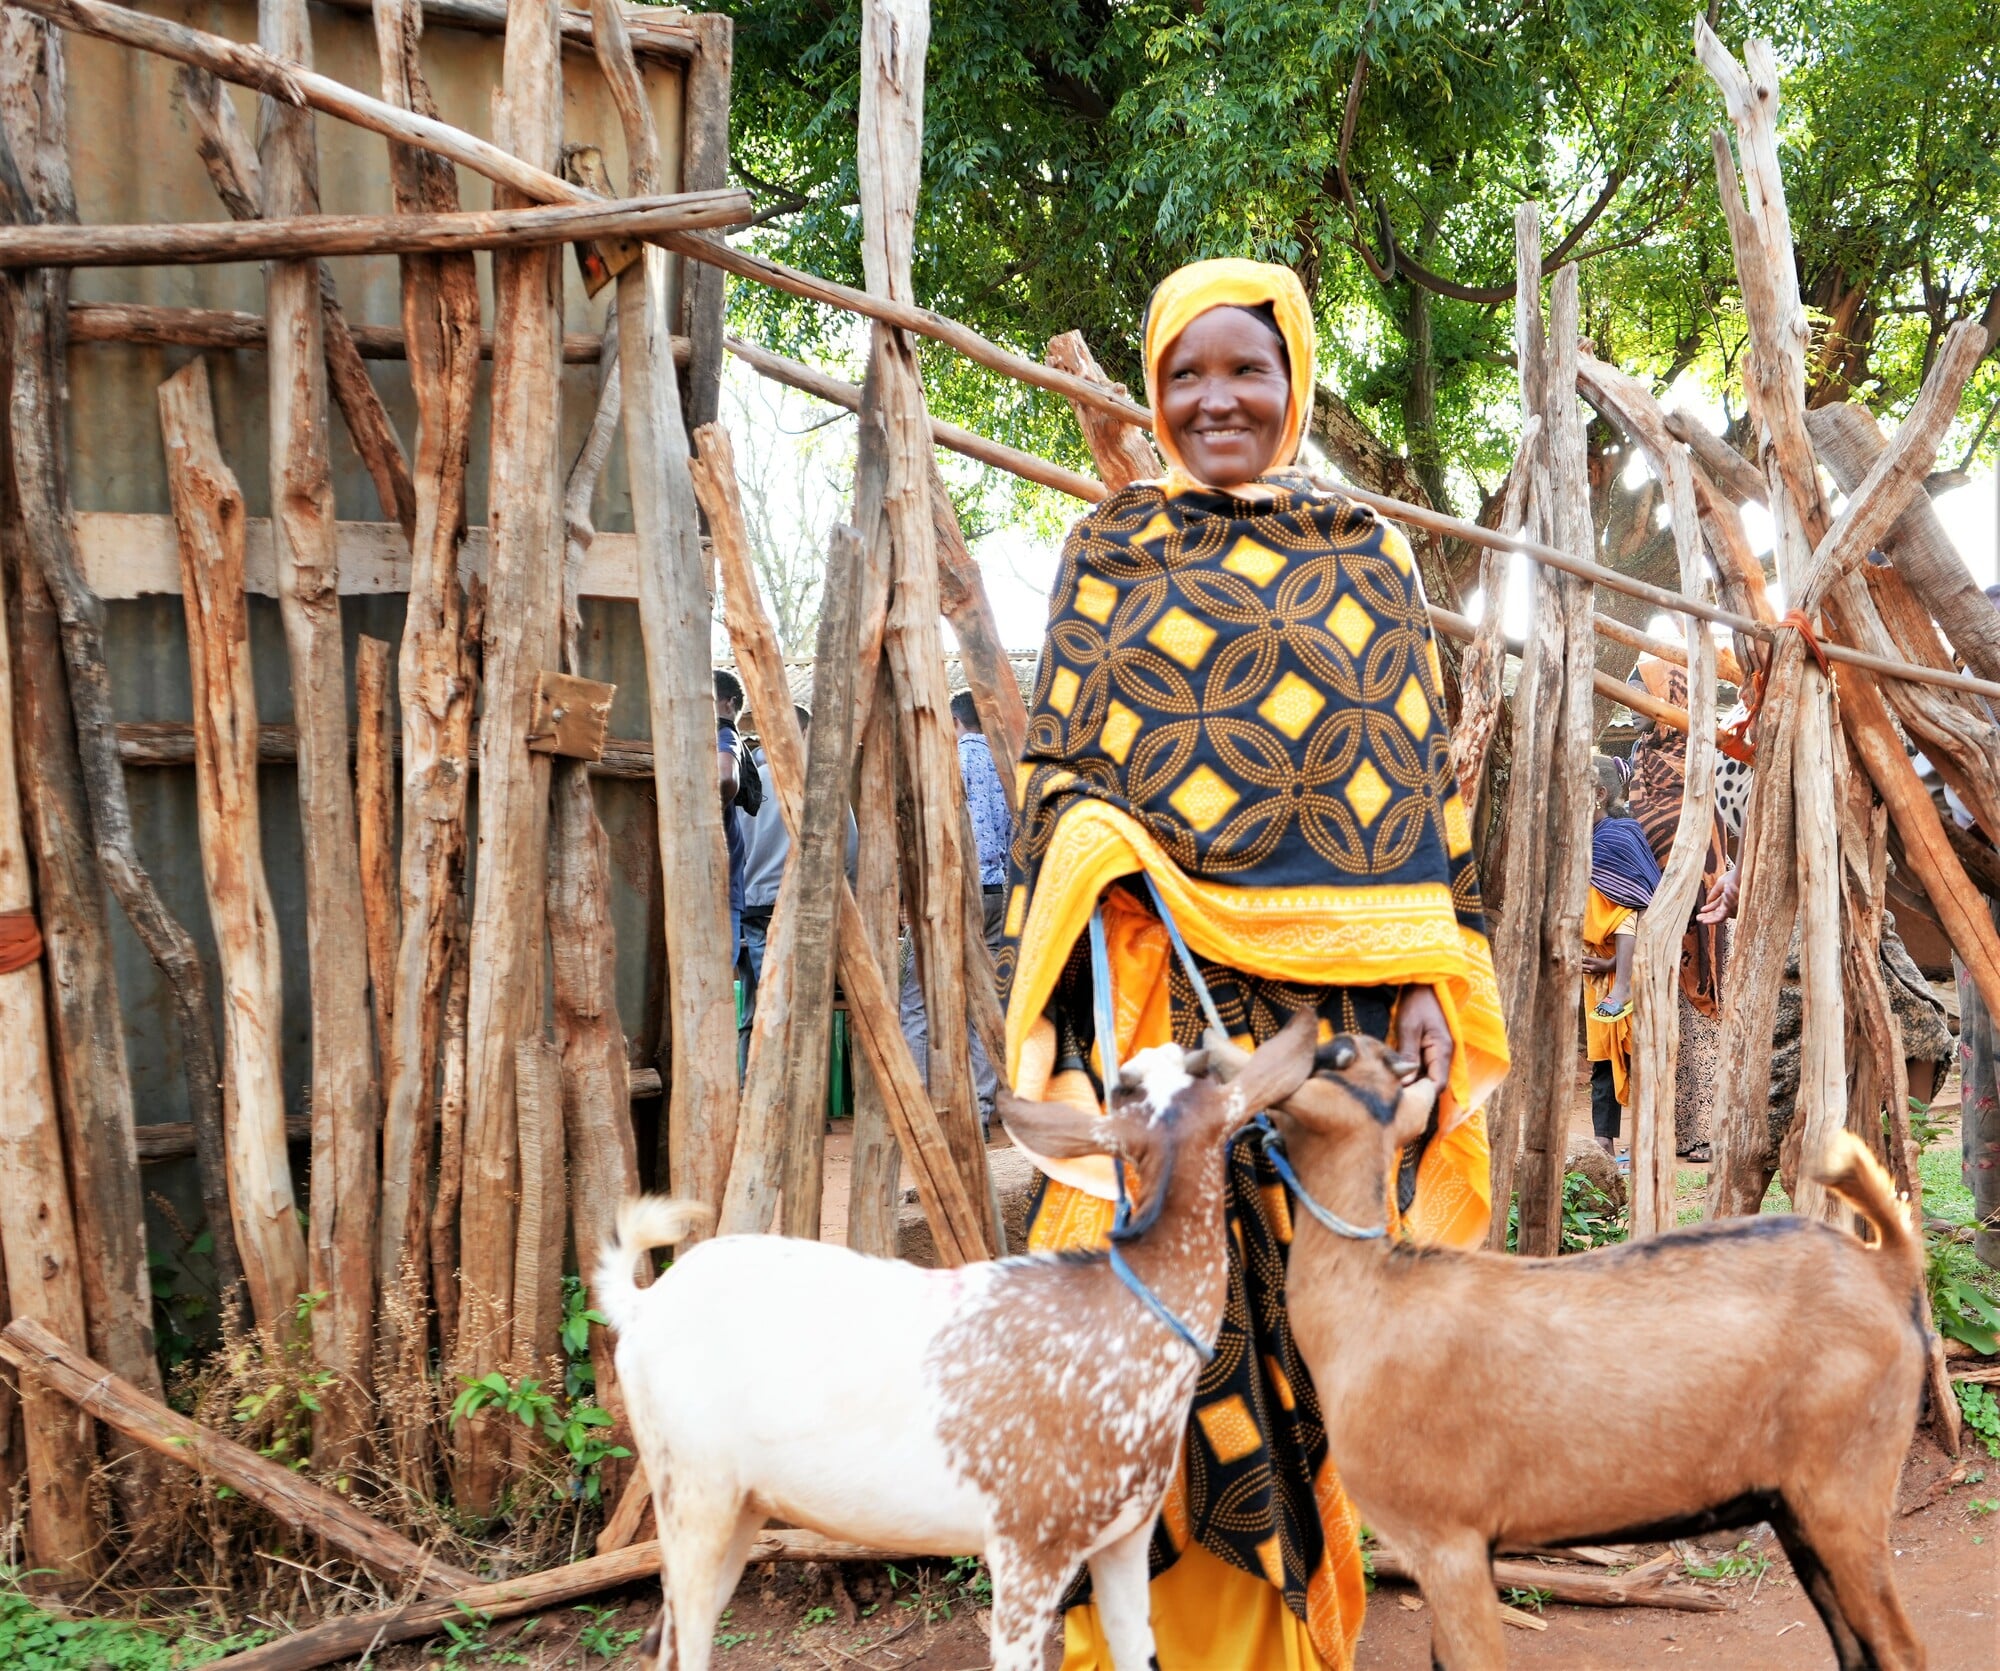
1606,1014
1699,1155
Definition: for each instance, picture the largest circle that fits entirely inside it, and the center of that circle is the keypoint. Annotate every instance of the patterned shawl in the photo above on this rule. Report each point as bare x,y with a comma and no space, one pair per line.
1242,699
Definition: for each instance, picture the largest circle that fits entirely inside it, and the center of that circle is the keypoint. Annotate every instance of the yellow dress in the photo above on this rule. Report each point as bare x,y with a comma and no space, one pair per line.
1607,1041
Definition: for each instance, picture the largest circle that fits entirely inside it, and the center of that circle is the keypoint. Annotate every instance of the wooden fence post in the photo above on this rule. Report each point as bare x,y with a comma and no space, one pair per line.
31,93
674,602
346,1107
208,513
435,686
524,578
37,1229
1663,925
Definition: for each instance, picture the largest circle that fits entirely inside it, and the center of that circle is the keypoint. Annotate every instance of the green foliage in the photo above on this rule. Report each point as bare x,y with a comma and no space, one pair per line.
181,1298
572,1426
1589,1218
579,1373
598,1637
1965,1295
727,1636
1744,1561
465,1640
1077,150
1533,1600
1981,1412
34,1640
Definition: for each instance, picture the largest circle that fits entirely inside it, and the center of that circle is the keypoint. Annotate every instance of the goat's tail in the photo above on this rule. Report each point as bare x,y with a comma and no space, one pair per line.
1856,1176
644,1223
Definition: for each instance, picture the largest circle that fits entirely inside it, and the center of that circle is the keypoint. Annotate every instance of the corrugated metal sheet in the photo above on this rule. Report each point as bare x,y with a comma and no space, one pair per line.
134,161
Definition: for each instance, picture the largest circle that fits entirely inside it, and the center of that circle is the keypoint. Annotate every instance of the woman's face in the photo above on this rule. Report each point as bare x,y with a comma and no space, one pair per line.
1224,391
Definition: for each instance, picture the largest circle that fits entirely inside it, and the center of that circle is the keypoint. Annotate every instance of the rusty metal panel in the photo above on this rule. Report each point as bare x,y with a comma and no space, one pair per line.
134,160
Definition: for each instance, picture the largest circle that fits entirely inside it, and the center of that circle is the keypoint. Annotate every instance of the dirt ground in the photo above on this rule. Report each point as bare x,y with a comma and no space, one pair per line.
1947,1556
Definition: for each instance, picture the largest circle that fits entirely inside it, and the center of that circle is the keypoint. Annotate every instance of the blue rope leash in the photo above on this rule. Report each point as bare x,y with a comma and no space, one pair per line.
1274,1149
1107,1056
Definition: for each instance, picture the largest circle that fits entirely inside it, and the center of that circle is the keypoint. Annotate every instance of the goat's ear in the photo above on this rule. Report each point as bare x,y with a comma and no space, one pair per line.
1279,1065
1225,1059
1054,1130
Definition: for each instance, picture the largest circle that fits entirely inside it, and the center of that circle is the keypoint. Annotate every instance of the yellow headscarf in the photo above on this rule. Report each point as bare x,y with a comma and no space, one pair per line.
1185,295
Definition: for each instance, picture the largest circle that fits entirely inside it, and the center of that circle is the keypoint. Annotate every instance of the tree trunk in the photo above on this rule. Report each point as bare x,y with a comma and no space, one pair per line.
208,512
346,1101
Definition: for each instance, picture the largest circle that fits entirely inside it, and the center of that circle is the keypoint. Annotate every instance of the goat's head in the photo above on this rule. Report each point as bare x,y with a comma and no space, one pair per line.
1165,1099
1362,1103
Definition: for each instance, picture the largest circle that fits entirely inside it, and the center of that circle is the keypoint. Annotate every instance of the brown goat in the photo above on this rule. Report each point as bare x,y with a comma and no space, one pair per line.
1758,1369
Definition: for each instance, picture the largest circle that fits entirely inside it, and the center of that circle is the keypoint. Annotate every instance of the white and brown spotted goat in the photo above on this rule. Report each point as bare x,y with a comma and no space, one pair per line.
1747,1370
1029,1410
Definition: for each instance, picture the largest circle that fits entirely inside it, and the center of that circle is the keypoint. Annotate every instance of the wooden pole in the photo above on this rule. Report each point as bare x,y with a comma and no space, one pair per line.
1663,925
705,90
874,1175
1480,673
895,37
1565,794
835,392
538,1227
139,322
310,1510
1517,961
674,610
208,511
525,591
233,168
818,854
583,955
956,1223
435,685
346,1100
311,236
93,1080
37,1228
34,110
375,797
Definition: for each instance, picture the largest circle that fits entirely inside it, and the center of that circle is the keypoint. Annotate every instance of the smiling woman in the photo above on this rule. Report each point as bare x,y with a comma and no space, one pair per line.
1237,731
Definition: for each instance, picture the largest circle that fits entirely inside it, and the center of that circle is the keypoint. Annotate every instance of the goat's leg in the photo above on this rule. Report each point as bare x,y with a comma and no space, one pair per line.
1801,1548
1864,1589
1027,1589
1456,1577
705,1537
1119,1583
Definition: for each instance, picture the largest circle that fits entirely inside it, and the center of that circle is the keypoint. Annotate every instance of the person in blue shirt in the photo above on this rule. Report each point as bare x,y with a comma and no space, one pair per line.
993,834
742,793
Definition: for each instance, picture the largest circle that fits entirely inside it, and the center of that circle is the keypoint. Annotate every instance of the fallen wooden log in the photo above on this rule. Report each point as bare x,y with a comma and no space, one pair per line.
145,325
305,237
1643,1586
308,1509
358,1633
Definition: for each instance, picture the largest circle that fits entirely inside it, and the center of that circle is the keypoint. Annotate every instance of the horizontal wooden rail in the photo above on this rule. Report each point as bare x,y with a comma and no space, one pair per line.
205,243
1627,696
656,31
228,329
838,393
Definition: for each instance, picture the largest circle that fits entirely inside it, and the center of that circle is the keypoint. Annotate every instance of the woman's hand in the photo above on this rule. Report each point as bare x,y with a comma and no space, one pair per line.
1599,965
1421,1033
1721,900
